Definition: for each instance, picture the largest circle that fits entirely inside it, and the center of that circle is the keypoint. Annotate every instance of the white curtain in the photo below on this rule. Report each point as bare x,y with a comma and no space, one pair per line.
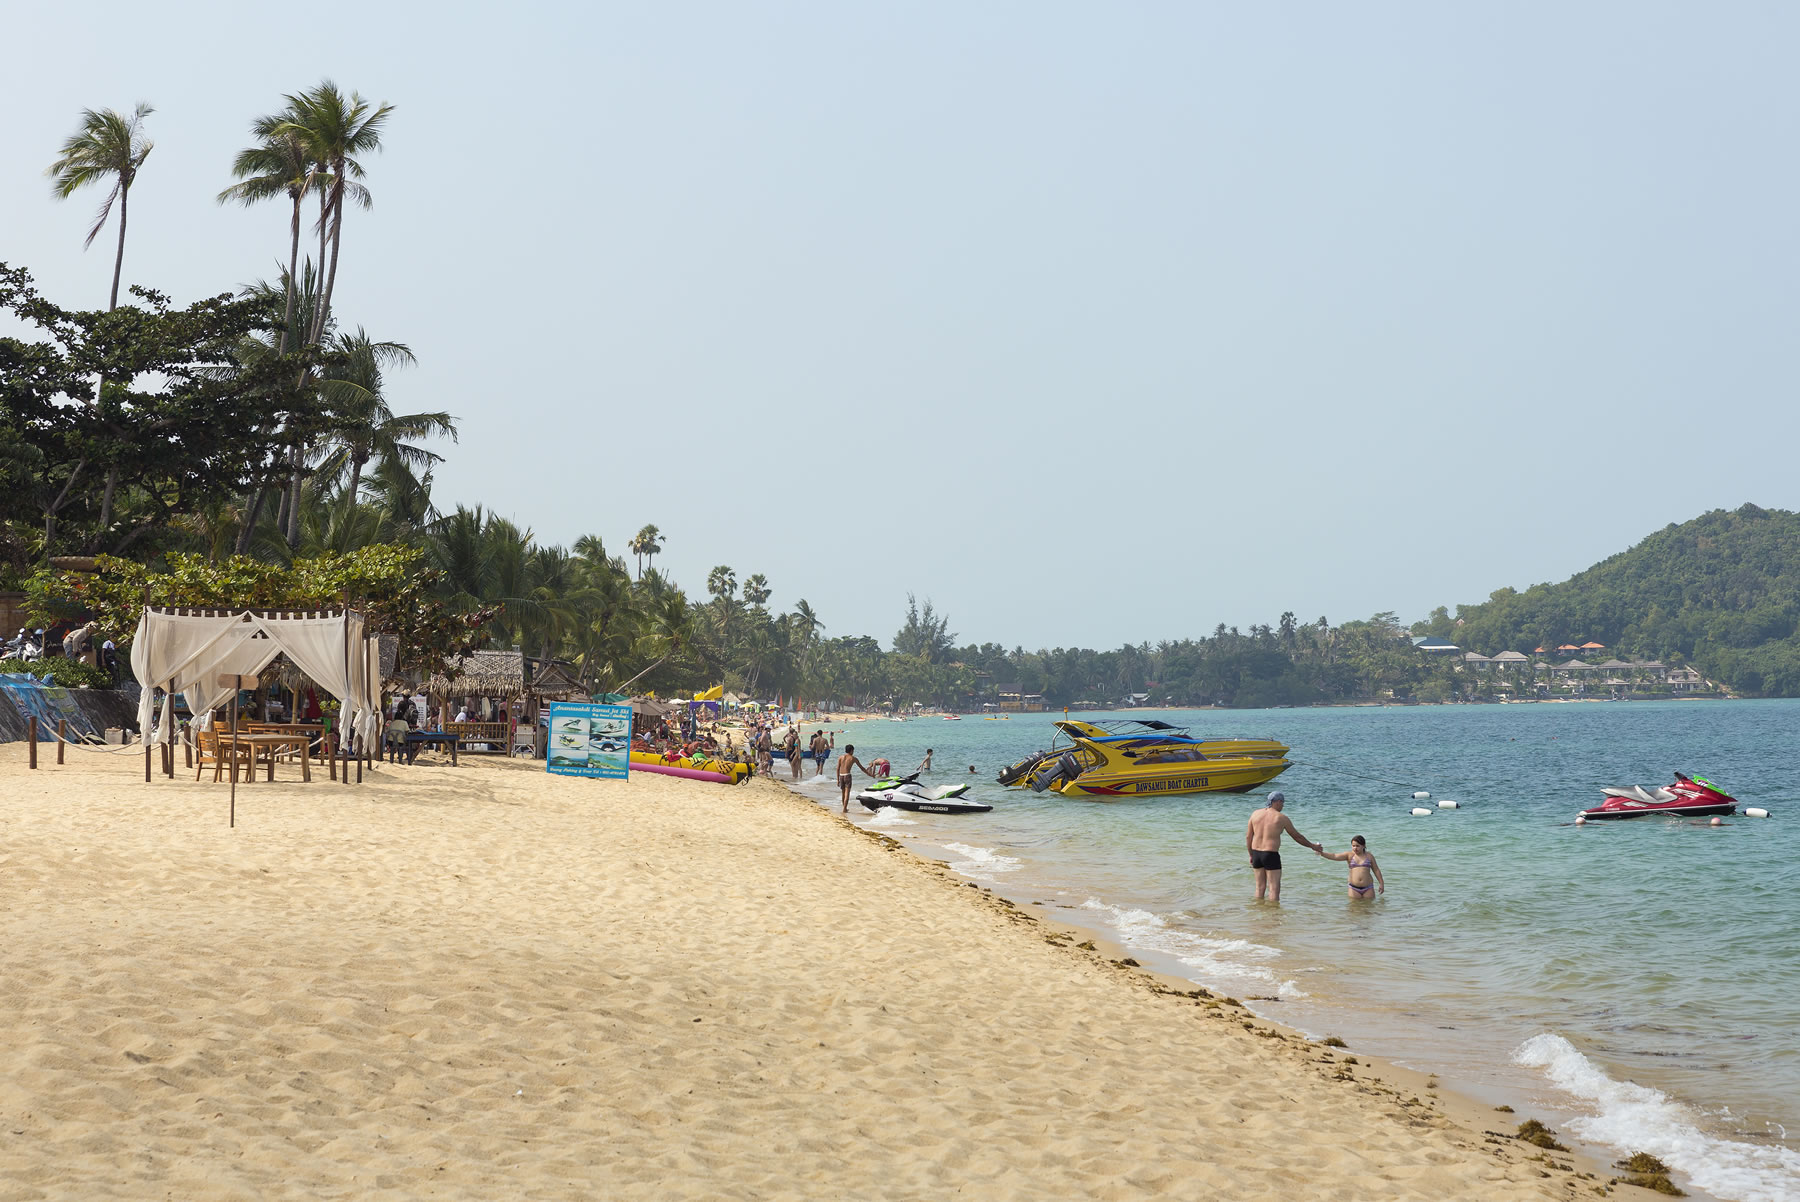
186,653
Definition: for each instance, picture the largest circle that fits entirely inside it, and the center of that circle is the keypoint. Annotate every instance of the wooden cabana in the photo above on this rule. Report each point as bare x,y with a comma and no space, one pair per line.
501,676
495,675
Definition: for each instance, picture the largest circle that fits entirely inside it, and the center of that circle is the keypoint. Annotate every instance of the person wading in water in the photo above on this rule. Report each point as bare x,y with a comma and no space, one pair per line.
1263,840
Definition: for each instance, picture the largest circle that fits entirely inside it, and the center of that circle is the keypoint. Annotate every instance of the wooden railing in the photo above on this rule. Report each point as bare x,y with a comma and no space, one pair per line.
497,735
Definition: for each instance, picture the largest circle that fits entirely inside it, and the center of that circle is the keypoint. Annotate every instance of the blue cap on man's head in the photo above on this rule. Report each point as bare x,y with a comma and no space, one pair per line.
1276,796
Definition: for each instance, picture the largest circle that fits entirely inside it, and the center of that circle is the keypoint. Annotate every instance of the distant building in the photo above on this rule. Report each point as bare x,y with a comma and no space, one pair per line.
1435,646
1510,659
1686,680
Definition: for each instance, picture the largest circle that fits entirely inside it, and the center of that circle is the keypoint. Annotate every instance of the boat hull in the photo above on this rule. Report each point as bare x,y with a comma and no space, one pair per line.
1598,814
1207,776
921,805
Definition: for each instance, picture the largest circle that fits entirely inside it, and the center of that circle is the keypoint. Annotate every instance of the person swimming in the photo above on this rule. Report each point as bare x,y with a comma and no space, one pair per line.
1365,874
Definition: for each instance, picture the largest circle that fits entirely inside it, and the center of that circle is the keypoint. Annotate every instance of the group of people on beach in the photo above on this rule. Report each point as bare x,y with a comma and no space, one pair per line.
1262,839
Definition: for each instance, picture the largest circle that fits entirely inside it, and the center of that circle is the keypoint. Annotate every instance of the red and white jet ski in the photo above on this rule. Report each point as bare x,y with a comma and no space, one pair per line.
1688,797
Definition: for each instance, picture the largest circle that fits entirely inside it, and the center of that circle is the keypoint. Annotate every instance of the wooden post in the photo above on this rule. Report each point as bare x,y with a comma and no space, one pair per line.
144,735
62,732
31,739
187,748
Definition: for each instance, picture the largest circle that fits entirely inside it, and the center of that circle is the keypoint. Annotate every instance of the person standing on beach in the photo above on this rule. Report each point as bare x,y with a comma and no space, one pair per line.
792,747
844,764
819,751
1263,841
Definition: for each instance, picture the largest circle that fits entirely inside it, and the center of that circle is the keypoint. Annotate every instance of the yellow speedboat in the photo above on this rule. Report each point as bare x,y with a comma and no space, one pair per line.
1133,759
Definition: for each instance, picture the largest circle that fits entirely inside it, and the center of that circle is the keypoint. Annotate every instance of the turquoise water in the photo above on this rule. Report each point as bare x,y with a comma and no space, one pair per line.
1638,979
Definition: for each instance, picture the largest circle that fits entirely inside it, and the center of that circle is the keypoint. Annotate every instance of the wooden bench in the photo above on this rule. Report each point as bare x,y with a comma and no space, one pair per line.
496,735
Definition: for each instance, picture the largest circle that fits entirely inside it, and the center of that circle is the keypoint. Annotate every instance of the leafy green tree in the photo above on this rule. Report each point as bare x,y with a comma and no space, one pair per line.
926,634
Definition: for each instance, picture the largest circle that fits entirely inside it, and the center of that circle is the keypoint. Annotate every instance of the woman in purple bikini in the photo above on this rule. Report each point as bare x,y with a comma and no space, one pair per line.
1365,873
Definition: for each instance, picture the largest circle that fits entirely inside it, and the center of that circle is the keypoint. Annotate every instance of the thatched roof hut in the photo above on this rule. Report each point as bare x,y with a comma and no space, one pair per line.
498,674
552,681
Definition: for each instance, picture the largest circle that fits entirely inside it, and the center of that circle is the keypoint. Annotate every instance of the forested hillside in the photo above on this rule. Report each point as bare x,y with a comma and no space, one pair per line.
1721,592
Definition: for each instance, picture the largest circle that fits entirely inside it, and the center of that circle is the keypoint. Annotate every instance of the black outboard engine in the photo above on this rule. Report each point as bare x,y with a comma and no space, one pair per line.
1021,769
1066,768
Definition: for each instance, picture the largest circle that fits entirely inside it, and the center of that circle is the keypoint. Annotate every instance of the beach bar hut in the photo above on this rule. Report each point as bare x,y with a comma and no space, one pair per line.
496,676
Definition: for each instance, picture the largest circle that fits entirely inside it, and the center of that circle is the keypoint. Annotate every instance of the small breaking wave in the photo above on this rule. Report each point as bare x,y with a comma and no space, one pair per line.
1236,964
889,816
981,863
1635,1118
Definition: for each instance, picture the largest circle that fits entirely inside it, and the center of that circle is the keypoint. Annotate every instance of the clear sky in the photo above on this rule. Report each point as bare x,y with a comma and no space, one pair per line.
1091,322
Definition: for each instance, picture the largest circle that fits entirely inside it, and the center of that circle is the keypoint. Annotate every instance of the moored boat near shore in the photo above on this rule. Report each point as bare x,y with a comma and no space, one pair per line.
1145,758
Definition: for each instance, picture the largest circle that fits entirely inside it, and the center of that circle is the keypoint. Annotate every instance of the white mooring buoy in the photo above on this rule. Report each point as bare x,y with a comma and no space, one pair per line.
1421,795
1756,812
1580,820
1420,812
1717,821
1447,804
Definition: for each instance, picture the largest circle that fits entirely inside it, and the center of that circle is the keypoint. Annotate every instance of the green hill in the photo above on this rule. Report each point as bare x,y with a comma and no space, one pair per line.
1721,592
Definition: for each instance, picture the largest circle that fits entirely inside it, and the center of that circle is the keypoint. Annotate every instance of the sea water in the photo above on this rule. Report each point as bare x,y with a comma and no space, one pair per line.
1639,980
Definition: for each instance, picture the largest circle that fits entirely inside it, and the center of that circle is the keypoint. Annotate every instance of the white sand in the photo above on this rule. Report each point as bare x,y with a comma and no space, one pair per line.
487,982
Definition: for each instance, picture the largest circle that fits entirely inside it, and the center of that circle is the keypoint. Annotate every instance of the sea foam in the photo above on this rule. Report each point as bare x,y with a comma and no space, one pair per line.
981,863
1635,1118
889,816
1237,964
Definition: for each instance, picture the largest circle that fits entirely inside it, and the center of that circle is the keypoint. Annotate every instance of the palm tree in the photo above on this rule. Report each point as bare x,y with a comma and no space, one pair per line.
756,589
722,581
365,428
808,620
648,542
107,146
334,129
278,165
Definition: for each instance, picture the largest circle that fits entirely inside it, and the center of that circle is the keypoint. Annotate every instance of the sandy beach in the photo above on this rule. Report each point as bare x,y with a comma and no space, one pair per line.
487,982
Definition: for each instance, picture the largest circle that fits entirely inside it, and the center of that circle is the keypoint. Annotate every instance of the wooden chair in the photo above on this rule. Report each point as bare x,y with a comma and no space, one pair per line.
210,748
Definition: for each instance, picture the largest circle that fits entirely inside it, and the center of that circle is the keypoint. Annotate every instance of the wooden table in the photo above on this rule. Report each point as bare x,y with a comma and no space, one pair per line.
272,743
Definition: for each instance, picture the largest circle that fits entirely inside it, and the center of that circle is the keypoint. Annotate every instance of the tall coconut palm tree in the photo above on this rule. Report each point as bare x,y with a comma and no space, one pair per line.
334,129
278,165
108,147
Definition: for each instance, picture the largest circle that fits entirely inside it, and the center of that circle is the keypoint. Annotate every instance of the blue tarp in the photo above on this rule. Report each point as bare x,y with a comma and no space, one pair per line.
85,711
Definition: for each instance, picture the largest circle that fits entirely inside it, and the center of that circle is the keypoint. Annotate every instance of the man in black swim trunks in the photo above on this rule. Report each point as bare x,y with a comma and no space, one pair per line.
1263,840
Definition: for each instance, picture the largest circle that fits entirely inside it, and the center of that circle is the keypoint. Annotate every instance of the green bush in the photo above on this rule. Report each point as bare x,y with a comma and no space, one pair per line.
71,674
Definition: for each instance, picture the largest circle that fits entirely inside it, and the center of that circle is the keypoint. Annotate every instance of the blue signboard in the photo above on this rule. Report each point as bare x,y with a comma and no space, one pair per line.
589,740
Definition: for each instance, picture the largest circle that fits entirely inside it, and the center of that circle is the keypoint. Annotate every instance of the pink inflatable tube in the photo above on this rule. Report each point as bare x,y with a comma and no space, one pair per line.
691,773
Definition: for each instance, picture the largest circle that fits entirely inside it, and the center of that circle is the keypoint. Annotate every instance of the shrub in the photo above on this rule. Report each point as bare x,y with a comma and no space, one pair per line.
71,674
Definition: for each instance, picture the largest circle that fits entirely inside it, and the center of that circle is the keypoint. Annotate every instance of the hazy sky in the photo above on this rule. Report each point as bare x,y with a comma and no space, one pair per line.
1091,322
